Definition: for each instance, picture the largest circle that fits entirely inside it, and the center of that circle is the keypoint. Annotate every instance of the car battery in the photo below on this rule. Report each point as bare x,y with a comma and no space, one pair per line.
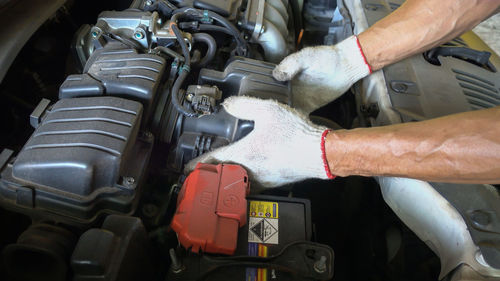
272,224
211,207
273,221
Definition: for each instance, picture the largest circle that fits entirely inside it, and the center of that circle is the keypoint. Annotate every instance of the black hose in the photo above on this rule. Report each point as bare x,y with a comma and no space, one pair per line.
183,44
297,17
184,71
195,26
188,11
212,47
175,95
169,52
224,22
209,27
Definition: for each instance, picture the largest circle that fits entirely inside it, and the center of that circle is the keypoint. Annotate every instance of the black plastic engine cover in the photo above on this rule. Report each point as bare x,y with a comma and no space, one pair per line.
420,90
117,251
242,76
118,71
83,158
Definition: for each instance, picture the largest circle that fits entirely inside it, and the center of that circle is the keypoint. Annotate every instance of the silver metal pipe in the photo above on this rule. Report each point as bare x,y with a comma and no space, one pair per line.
436,222
273,42
274,16
282,8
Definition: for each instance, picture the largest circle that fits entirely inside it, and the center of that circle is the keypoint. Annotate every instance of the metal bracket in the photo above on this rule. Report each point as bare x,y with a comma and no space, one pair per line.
259,20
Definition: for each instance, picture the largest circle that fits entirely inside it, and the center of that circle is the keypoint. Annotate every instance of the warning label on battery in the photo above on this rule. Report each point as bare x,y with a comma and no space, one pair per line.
263,231
263,209
263,223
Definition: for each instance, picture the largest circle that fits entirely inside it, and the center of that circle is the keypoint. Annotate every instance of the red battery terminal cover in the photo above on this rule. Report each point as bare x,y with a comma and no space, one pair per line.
211,207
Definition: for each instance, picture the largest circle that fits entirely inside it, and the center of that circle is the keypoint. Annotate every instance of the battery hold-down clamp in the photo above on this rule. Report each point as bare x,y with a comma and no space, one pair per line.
301,260
211,207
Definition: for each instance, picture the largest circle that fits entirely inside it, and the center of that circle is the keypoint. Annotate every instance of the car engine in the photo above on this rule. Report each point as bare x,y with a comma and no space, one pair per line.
101,119
144,78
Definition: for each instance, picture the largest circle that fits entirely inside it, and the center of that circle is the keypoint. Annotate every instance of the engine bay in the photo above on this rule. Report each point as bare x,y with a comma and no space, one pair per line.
102,129
102,118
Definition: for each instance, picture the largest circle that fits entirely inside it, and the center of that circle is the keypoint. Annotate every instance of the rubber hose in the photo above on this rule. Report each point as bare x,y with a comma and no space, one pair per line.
185,11
182,43
224,22
169,52
209,27
297,17
182,76
212,47
175,95
221,20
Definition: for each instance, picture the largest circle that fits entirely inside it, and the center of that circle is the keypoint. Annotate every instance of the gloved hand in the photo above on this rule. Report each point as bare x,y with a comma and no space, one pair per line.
323,73
283,147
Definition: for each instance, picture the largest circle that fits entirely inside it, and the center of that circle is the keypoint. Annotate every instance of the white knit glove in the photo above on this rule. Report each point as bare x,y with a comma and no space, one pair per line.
323,73
283,147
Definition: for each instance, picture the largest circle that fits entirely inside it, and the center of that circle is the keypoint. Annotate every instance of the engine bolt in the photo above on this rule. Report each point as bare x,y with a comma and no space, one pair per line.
138,35
320,265
129,180
189,97
481,217
149,3
399,87
95,32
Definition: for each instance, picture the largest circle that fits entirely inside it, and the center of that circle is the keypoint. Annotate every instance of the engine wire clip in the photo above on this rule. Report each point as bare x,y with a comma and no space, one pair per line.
206,18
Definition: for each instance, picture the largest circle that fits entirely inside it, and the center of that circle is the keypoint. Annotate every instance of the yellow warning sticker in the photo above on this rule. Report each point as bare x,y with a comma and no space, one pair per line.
263,222
263,228
263,209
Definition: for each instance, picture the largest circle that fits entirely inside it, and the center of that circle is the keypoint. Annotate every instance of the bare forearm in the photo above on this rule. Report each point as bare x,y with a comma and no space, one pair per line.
462,148
419,25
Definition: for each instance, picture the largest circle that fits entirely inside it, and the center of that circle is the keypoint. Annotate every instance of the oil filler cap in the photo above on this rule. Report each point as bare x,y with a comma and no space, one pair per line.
211,207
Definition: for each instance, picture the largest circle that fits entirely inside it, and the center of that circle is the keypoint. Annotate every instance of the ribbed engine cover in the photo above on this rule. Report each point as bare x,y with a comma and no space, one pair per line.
85,151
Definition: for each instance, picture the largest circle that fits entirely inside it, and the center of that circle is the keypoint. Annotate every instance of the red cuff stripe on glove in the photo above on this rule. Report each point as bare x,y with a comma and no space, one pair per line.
363,55
323,155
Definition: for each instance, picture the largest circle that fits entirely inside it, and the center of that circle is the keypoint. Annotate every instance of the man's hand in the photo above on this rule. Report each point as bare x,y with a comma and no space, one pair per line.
460,148
419,25
322,73
283,147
